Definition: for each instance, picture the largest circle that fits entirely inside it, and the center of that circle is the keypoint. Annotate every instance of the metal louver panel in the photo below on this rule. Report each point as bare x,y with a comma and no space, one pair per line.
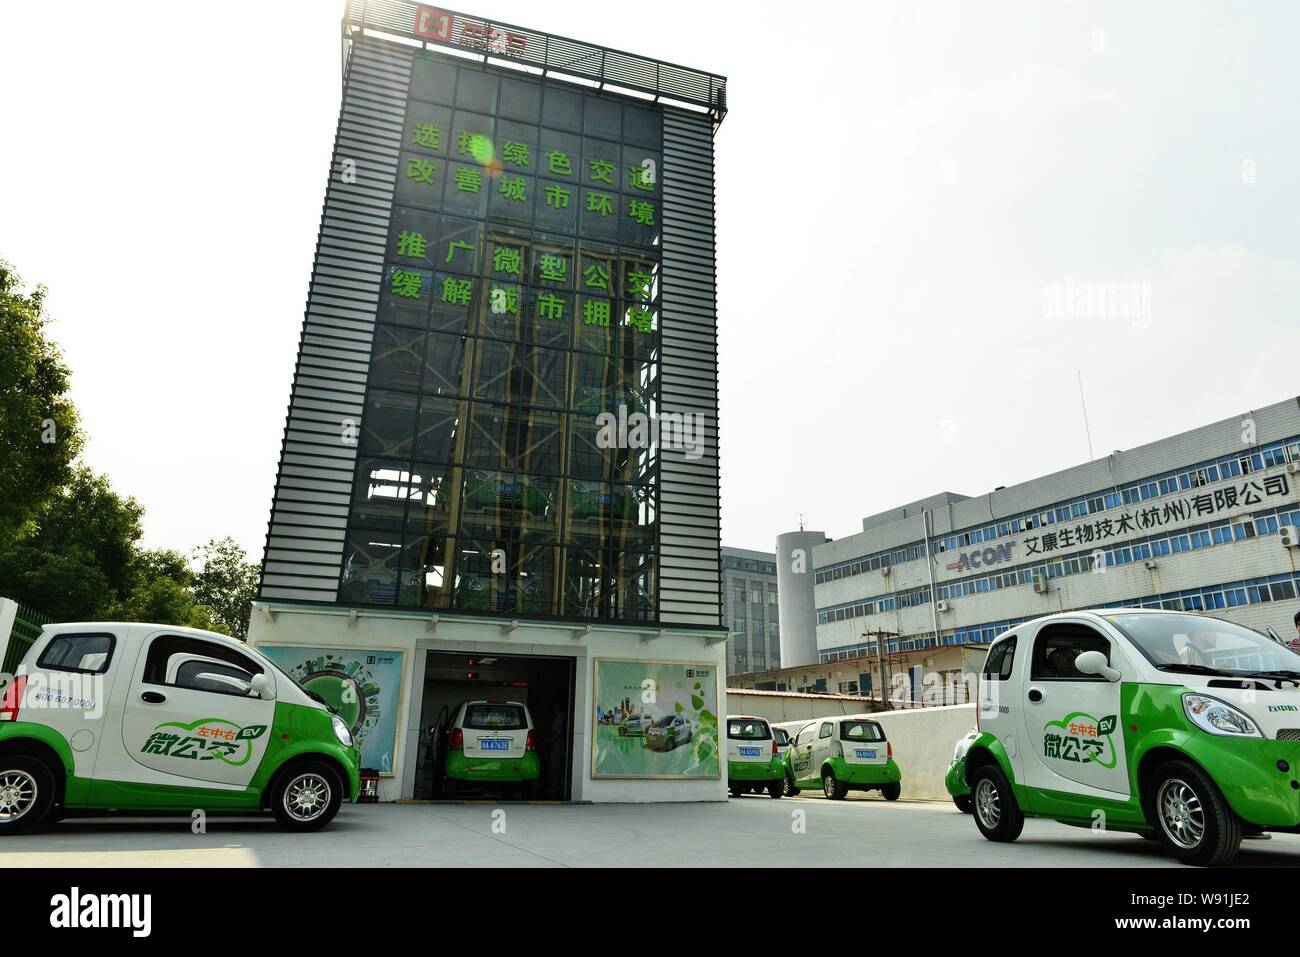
690,591
304,546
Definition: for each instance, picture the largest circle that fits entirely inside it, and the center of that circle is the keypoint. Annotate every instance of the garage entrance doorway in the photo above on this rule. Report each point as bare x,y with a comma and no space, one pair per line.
544,685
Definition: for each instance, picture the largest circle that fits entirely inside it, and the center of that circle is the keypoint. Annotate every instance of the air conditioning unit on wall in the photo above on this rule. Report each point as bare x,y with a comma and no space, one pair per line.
942,606
884,570
1290,536
1040,584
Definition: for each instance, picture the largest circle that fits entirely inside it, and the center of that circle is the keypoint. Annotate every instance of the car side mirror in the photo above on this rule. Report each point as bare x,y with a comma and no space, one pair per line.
1094,663
261,685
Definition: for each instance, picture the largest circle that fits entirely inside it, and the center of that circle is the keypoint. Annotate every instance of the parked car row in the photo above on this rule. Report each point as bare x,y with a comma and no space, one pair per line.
1179,727
1182,728
834,755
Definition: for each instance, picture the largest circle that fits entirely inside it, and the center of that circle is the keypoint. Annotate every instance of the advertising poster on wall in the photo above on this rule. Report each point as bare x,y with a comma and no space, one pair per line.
655,719
365,687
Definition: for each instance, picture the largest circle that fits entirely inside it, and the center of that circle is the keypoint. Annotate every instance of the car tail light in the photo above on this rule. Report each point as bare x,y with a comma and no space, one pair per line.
12,699
457,740
775,749
889,750
531,744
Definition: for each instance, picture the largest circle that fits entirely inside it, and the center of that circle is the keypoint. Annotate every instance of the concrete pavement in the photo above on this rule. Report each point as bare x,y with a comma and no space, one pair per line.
747,832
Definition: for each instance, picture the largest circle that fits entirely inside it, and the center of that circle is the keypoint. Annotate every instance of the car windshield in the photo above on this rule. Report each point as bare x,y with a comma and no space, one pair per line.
664,722
495,717
861,731
748,729
1196,642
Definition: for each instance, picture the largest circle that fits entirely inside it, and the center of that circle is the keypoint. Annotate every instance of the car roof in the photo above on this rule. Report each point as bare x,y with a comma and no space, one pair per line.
144,626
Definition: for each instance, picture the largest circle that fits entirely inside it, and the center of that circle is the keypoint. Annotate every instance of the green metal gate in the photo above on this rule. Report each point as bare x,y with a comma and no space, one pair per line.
27,626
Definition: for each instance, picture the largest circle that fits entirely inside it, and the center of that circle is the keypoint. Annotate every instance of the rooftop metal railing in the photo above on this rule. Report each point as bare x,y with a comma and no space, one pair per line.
552,54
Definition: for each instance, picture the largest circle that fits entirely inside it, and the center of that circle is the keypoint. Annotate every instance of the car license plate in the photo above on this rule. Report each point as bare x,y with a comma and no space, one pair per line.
866,754
495,744
750,752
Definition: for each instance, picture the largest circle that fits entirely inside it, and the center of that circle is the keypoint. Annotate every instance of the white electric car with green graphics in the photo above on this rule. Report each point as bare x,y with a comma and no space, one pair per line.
1180,727
155,718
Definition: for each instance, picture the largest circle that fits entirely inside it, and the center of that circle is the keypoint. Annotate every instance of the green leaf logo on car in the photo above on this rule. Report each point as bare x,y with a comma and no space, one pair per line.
207,739
1079,738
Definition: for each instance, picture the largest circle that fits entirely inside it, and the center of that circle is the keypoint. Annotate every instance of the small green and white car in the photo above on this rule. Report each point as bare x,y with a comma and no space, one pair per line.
152,718
489,742
843,754
1179,727
753,757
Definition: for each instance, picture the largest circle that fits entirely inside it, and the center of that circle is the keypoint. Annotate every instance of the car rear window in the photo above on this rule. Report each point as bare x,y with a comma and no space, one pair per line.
861,731
749,729
85,654
495,717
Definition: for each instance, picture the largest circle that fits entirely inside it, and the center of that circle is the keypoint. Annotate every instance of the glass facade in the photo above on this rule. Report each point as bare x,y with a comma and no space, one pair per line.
750,613
520,302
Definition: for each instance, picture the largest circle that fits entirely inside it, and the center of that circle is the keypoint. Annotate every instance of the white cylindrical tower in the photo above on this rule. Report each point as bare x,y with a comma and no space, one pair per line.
794,590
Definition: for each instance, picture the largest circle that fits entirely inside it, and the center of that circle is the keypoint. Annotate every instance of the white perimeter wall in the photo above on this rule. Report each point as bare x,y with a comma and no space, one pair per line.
923,739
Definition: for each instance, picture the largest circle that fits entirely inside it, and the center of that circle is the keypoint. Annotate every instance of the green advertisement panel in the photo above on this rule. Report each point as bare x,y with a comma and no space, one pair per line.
363,687
654,719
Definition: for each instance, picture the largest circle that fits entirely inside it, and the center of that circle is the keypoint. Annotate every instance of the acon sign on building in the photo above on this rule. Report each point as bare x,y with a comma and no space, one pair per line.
516,245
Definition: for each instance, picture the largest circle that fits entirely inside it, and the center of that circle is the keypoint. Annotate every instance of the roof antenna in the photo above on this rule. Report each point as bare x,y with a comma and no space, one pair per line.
801,515
1084,402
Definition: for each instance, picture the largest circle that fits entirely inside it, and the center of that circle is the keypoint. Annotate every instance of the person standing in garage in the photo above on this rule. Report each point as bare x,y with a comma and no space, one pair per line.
554,745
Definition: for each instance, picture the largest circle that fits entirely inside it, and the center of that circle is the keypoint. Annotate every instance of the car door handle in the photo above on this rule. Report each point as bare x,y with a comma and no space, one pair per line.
1035,695
153,697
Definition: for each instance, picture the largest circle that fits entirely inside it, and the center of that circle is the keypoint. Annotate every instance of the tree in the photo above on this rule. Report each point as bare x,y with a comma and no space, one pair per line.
40,434
226,582
77,560
161,589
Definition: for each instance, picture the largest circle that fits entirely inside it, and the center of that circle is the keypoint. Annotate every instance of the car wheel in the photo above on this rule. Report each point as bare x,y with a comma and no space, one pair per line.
997,814
1194,820
790,788
776,789
892,790
26,793
307,796
964,803
832,788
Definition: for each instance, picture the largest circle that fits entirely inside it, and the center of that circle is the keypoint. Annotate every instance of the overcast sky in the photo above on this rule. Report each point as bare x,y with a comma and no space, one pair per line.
905,192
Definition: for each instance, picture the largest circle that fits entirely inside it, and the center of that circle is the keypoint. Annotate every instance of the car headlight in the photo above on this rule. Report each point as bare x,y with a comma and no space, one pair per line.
341,731
1218,717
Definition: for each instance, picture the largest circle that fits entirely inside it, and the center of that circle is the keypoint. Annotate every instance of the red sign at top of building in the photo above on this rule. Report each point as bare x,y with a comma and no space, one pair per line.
440,25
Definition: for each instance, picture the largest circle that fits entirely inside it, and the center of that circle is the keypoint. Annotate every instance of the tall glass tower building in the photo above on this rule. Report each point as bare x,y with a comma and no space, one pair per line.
502,428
